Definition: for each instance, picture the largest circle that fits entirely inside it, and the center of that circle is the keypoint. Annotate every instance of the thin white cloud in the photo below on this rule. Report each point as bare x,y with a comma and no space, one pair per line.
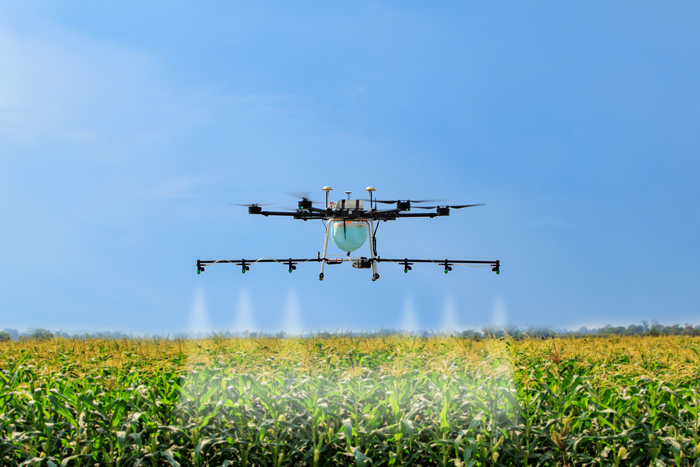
118,101
62,86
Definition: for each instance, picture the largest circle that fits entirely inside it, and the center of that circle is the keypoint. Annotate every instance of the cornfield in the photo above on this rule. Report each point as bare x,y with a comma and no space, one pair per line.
364,401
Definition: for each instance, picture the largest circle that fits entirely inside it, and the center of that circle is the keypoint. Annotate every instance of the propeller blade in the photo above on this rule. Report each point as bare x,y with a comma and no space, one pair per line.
425,200
385,202
287,208
378,201
304,195
465,206
451,207
252,205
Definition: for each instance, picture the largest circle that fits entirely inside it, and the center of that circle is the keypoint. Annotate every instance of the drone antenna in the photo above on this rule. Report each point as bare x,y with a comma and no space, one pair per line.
327,189
370,189
348,193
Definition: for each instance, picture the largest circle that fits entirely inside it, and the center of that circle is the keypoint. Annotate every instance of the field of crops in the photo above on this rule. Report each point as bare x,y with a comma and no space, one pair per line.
439,401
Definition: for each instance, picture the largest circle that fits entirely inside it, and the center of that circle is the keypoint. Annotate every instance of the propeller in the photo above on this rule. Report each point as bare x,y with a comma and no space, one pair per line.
450,207
466,206
301,195
384,201
254,205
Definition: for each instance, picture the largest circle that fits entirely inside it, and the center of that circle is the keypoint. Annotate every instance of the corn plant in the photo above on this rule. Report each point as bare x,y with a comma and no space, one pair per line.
344,400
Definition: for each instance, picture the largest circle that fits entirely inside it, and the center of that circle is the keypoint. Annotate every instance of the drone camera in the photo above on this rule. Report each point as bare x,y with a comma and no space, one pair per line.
362,263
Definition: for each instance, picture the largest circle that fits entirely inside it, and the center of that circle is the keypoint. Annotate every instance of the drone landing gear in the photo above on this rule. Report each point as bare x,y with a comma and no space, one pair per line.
362,263
373,249
325,248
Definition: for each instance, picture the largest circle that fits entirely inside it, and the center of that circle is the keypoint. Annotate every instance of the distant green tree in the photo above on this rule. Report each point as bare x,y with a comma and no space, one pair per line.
4,337
492,331
40,333
14,333
470,335
541,333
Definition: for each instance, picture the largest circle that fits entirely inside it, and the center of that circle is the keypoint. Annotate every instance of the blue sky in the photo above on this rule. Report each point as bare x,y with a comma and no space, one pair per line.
125,131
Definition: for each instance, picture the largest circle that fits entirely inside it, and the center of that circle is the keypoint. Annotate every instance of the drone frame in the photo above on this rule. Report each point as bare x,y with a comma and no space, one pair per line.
345,211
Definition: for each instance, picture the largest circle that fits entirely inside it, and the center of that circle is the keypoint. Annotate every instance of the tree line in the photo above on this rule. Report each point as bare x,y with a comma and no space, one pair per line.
643,329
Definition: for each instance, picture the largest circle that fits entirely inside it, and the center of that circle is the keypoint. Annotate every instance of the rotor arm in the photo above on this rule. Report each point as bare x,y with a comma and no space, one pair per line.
276,213
315,213
305,214
393,214
325,212
386,211
418,214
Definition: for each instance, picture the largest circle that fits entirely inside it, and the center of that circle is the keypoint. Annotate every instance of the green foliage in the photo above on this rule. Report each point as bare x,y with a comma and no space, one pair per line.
4,337
544,333
39,333
337,401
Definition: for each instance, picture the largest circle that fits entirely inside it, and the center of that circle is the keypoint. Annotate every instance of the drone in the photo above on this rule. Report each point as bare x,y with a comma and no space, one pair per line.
348,224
